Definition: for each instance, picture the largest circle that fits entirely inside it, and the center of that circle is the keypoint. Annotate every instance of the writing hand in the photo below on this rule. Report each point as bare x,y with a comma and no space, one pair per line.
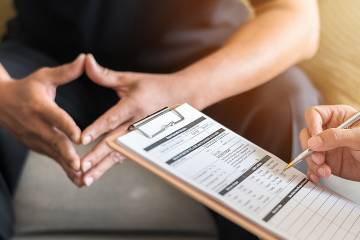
337,151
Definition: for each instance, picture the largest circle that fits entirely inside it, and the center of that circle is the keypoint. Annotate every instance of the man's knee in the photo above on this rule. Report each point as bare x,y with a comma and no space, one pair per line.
289,94
284,97
274,115
296,95
12,155
295,87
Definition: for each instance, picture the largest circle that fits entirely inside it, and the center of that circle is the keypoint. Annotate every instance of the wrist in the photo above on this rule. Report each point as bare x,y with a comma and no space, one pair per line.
4,89
193,88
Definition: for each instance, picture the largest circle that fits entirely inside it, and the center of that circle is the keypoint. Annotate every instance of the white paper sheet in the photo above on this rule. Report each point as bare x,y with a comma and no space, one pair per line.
246,178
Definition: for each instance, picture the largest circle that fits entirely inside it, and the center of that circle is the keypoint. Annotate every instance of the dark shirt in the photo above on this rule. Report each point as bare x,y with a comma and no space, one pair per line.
133,35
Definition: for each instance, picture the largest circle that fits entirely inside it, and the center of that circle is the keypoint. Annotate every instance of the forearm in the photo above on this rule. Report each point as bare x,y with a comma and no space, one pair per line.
282,34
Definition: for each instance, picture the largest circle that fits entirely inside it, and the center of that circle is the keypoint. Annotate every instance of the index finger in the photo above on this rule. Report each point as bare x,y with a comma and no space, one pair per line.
60,119
101,150
314,120
68,72
113,118
324,116
56,144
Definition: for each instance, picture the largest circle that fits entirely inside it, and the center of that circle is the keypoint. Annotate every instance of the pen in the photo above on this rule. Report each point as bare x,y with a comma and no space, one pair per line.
347,124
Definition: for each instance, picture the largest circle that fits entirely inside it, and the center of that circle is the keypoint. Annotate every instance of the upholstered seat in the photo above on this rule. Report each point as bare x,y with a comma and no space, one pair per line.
130,203
127,203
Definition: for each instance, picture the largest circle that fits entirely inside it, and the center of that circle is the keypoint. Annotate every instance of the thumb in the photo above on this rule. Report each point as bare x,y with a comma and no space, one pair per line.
335,138
4,75
68,72
99,74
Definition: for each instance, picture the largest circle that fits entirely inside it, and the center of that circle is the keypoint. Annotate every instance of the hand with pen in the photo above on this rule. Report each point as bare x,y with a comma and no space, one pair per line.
336,151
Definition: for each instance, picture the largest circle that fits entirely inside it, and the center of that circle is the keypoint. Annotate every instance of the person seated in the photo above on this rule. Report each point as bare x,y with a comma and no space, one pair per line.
149,54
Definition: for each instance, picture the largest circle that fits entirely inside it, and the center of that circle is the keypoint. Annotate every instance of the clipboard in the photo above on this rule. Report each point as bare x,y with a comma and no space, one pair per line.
179,184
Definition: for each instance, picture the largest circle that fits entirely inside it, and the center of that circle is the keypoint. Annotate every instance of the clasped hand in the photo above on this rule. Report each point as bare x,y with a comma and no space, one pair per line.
28,110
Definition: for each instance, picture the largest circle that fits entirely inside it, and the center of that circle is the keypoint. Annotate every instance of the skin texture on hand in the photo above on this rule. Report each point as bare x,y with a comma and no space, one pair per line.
282,33
337,151
28,110
141,94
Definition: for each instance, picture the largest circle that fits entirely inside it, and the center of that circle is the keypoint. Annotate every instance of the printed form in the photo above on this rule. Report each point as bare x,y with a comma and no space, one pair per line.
245,178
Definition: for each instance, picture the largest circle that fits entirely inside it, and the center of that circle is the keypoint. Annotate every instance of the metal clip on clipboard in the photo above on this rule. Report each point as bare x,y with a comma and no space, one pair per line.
176,118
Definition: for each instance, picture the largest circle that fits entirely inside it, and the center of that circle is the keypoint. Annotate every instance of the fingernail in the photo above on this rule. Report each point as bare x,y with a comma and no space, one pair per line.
317,159
327,172
315,142
86,166
86,140
78,57
88,181
314,178
75,138
117,157
75,165
321,172
92,58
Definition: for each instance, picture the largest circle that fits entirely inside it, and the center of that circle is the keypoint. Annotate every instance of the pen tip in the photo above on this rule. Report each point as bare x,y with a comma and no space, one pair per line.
287,167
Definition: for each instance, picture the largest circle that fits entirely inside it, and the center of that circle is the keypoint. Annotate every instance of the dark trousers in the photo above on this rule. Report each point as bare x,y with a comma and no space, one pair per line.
270,116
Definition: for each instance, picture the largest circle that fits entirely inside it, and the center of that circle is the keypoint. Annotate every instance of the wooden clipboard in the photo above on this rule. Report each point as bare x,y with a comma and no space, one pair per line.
192,192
